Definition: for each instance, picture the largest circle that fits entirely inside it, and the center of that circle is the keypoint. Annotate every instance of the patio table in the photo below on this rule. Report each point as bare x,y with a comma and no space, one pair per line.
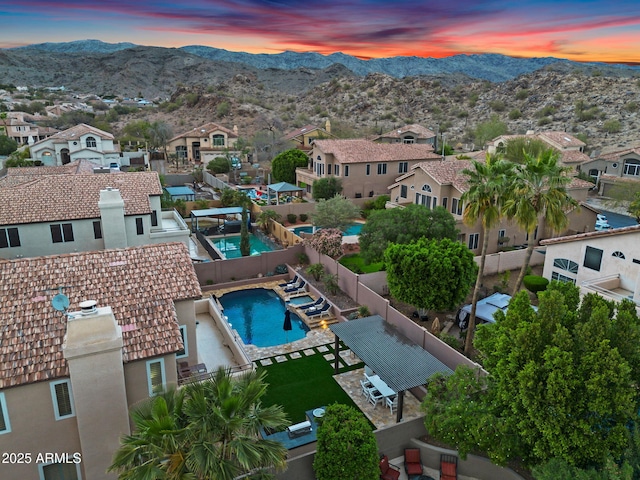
382,387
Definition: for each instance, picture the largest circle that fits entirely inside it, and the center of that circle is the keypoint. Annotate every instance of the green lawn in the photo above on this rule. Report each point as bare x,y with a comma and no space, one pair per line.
303,384
355,263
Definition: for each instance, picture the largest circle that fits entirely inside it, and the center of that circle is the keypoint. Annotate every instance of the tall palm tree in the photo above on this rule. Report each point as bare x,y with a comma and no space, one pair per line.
539,190
205,430
489,183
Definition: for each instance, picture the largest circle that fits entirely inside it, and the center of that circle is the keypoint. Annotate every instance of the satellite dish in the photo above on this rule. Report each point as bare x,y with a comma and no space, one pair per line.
60,302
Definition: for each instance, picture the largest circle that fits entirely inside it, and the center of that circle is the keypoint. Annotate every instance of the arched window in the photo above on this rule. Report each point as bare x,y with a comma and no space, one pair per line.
426,188
618,254
408,139
218,140
566,264
91,142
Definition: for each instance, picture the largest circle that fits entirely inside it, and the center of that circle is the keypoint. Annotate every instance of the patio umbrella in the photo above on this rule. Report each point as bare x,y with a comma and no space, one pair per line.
287,324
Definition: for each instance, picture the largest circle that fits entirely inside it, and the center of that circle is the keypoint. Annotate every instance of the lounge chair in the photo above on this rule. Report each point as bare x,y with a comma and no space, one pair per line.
412,462
448,467
288,284
387,470
321,311
306,306
295,288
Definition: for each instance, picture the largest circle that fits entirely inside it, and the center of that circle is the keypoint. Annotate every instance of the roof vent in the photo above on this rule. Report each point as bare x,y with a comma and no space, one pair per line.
88,307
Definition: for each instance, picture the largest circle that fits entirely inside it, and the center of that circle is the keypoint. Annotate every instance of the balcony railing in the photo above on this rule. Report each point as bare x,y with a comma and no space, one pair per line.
610,287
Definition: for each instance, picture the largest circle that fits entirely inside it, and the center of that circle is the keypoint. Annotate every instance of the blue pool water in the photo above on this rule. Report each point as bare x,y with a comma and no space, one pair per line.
258,315
230,245
301,300
353,229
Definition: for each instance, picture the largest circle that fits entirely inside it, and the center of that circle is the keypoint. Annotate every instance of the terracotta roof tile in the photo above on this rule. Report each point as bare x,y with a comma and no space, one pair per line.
48,198
616,154
596,234
563,139
204,131
140,284
76,132
448,172
419,130
365,151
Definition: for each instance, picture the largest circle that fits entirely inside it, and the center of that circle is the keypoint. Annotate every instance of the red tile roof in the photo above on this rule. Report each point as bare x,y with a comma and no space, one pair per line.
448,172
419,130
204,131
75,133
366,151
140,285
49,198
587,235
616,154
564,139
304,130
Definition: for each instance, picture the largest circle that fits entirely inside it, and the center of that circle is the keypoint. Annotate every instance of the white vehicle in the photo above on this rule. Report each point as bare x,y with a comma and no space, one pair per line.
602,223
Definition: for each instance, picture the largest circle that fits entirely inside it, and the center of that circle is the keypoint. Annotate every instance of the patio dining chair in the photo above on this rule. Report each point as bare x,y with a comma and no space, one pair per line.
388,471
412,462
366,387
392,402
375,397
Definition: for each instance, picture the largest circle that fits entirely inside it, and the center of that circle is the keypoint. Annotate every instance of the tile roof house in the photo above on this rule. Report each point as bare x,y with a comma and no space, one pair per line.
82,142
365,168
408,134
613,168
442,183
23,131
570,148
45,214
304,137
204,143
69,376
605,262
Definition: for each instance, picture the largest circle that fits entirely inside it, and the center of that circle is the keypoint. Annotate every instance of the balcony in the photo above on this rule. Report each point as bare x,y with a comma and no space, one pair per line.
612,287
171,228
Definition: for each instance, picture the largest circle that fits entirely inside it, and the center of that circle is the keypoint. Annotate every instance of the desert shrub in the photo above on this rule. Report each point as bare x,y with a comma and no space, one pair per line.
331,283
303,259
535,283
316,270
497,105
515,114
281,269
522,94
303,217
612,126
292,217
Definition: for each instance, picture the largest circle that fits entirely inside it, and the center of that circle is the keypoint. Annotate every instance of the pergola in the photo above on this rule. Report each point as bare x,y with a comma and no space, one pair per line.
212,212
399,362
282,187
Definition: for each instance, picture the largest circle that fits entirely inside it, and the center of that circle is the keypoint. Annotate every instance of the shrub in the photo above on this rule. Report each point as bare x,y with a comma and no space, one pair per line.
363,311
497,105
612,126
327,241
316,270
331,283
535,283
450,340
515,114
522,94
303,217
291,217
281,269
303,259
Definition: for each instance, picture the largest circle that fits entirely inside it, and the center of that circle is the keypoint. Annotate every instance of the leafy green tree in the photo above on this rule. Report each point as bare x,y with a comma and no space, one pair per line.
265,217
137,130
488,130
403,225
337,212
489,185
326,188
539,190
346,447
208,429
283,166
219,165
7,145
158,135
517,148
634,207
245,244
430,274
558,469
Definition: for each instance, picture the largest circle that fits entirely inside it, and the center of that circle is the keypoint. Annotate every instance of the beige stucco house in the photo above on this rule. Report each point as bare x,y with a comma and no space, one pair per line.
69,376
24,132
50,210
409,134
605,262
82,142
303,137
202,144
442,183
617,167
365,168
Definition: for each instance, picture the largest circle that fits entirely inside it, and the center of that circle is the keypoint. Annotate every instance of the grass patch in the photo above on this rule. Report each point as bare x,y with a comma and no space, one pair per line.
355,263
303,384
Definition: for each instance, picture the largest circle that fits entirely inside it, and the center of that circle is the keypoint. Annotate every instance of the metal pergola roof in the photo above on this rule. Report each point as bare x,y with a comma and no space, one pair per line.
400,363
214,212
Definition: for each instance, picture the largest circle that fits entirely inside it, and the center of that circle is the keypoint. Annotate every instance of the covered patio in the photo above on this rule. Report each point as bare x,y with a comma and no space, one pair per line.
283,187
399,363
213,213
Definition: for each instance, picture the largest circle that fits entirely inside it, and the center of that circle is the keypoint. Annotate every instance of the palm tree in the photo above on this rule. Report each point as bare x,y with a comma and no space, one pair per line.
539,189
489,183
205,430
264,219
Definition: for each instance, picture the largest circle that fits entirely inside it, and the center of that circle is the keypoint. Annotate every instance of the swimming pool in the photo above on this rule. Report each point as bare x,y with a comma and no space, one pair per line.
258,315
353,229
301,300
229,246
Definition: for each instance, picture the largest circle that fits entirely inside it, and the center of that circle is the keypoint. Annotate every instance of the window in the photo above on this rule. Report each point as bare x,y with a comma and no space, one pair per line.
181,152
561,278
382,169
456,206
593,258
97,230
154,218
403,191
473,241
566,264
409,139
632,167
155,377
618,254
424,200
218,140
346,170
403,167
59,471
5,425
62,399
426,188
139,226
501,233
9,237
368,169
91,142
62,232
336,170
444,202
185,351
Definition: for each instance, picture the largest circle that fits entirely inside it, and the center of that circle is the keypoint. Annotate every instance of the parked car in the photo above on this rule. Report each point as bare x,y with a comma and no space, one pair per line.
236,163
602,223
485,309
114,166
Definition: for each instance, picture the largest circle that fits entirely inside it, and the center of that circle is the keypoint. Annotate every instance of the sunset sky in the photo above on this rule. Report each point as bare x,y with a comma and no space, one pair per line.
593,30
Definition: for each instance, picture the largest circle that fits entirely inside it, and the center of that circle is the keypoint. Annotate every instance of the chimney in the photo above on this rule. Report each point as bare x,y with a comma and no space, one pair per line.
114,231
327,126
93,350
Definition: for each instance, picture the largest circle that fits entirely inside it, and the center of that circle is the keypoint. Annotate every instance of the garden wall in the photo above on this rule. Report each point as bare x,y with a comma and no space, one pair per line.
501,261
